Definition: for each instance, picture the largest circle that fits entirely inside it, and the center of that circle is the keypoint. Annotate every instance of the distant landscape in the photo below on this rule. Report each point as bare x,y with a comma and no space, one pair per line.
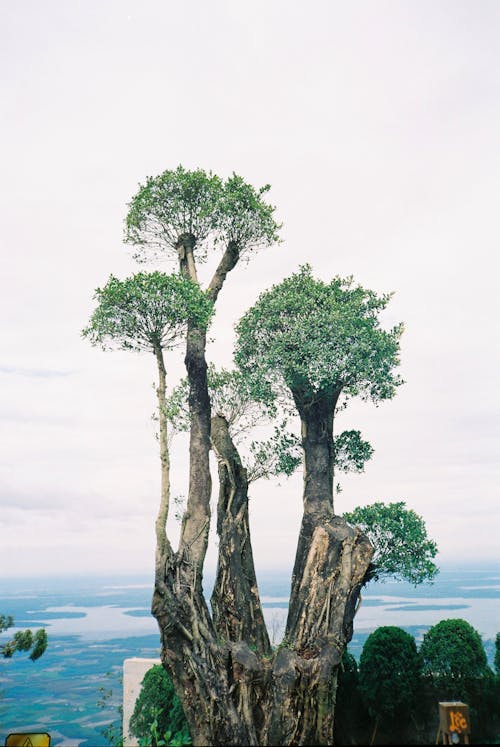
95,623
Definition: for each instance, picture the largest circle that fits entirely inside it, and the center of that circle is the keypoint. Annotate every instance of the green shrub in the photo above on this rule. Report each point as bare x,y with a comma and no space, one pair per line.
158,712
390,669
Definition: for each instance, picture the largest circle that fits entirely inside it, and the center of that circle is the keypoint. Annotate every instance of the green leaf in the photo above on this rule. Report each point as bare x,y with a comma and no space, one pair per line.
311,339
402,548
147,311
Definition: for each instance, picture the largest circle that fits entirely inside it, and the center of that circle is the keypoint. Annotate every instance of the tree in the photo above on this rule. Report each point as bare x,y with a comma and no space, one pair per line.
149,312
399,537
453,655
317,342
231,399
390,669
233,688
497,654
456,668
23,640
181,215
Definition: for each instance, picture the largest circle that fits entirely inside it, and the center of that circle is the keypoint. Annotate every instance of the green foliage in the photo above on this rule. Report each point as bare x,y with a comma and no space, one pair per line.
171,205
497,654
23,640
402,548
232,398
201,206
390,669
6,622
453,651
147,311
351,452
176,407
158,711
456,668
244,218
279,455
316,339
112,732
351,717
413,722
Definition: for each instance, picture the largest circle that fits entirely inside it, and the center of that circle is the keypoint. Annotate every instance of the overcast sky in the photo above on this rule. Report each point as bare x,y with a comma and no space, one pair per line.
377,125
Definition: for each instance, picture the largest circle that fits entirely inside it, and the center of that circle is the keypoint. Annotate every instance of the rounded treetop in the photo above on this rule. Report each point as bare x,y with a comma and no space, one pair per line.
198,207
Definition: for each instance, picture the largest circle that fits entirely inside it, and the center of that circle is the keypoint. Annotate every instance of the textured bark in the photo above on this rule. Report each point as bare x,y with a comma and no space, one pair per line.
231,694
236,607
319,626
317,442
202,666
227,263
196,520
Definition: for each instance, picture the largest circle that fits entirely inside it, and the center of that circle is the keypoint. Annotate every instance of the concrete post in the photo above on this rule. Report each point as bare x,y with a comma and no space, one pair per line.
133,673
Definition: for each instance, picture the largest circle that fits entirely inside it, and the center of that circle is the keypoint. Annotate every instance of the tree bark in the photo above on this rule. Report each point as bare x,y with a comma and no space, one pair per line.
231,694
317,442
236,607
162,544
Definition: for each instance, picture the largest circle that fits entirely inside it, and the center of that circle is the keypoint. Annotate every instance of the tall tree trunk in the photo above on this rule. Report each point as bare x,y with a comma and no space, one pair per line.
317,443
200,664
231,694
330,563
236,607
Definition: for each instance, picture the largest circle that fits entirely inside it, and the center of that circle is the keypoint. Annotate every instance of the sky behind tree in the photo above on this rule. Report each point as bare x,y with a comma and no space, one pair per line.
376,125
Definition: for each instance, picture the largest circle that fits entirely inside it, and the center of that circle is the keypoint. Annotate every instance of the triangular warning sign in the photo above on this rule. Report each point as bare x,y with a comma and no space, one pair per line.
28,740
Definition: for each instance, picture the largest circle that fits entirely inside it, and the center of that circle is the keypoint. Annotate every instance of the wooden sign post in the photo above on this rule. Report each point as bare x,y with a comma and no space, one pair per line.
454,724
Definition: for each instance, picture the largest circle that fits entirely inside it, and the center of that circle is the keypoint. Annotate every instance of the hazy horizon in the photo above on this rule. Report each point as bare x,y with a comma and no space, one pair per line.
376,126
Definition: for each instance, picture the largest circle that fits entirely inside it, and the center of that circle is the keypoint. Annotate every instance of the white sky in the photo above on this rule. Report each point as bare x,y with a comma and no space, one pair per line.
377,124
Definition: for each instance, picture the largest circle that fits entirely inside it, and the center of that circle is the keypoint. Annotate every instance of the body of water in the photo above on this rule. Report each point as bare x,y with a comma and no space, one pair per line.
95,623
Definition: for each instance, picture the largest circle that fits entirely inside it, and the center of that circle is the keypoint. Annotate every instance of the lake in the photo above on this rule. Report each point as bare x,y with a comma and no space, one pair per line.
95,623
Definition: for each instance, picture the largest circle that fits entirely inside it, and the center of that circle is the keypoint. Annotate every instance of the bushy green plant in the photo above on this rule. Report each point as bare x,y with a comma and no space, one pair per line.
453,652
390,669
158,718
351,717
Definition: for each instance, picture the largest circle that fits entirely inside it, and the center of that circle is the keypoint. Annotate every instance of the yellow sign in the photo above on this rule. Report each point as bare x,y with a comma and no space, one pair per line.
457,722
454,722
28,740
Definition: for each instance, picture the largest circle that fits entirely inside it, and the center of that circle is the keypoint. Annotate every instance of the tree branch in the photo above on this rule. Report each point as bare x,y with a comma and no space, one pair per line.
228,262
236,605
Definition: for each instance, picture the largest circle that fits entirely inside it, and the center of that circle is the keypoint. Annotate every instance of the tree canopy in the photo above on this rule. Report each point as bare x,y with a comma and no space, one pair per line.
147,311
453,650
389,672
200,208
317,339
402,548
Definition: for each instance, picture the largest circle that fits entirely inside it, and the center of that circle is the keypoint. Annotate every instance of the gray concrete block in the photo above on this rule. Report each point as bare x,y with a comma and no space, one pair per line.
133,673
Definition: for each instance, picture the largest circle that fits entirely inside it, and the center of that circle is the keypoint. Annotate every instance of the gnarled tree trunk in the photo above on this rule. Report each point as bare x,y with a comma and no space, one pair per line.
234,689
236,607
